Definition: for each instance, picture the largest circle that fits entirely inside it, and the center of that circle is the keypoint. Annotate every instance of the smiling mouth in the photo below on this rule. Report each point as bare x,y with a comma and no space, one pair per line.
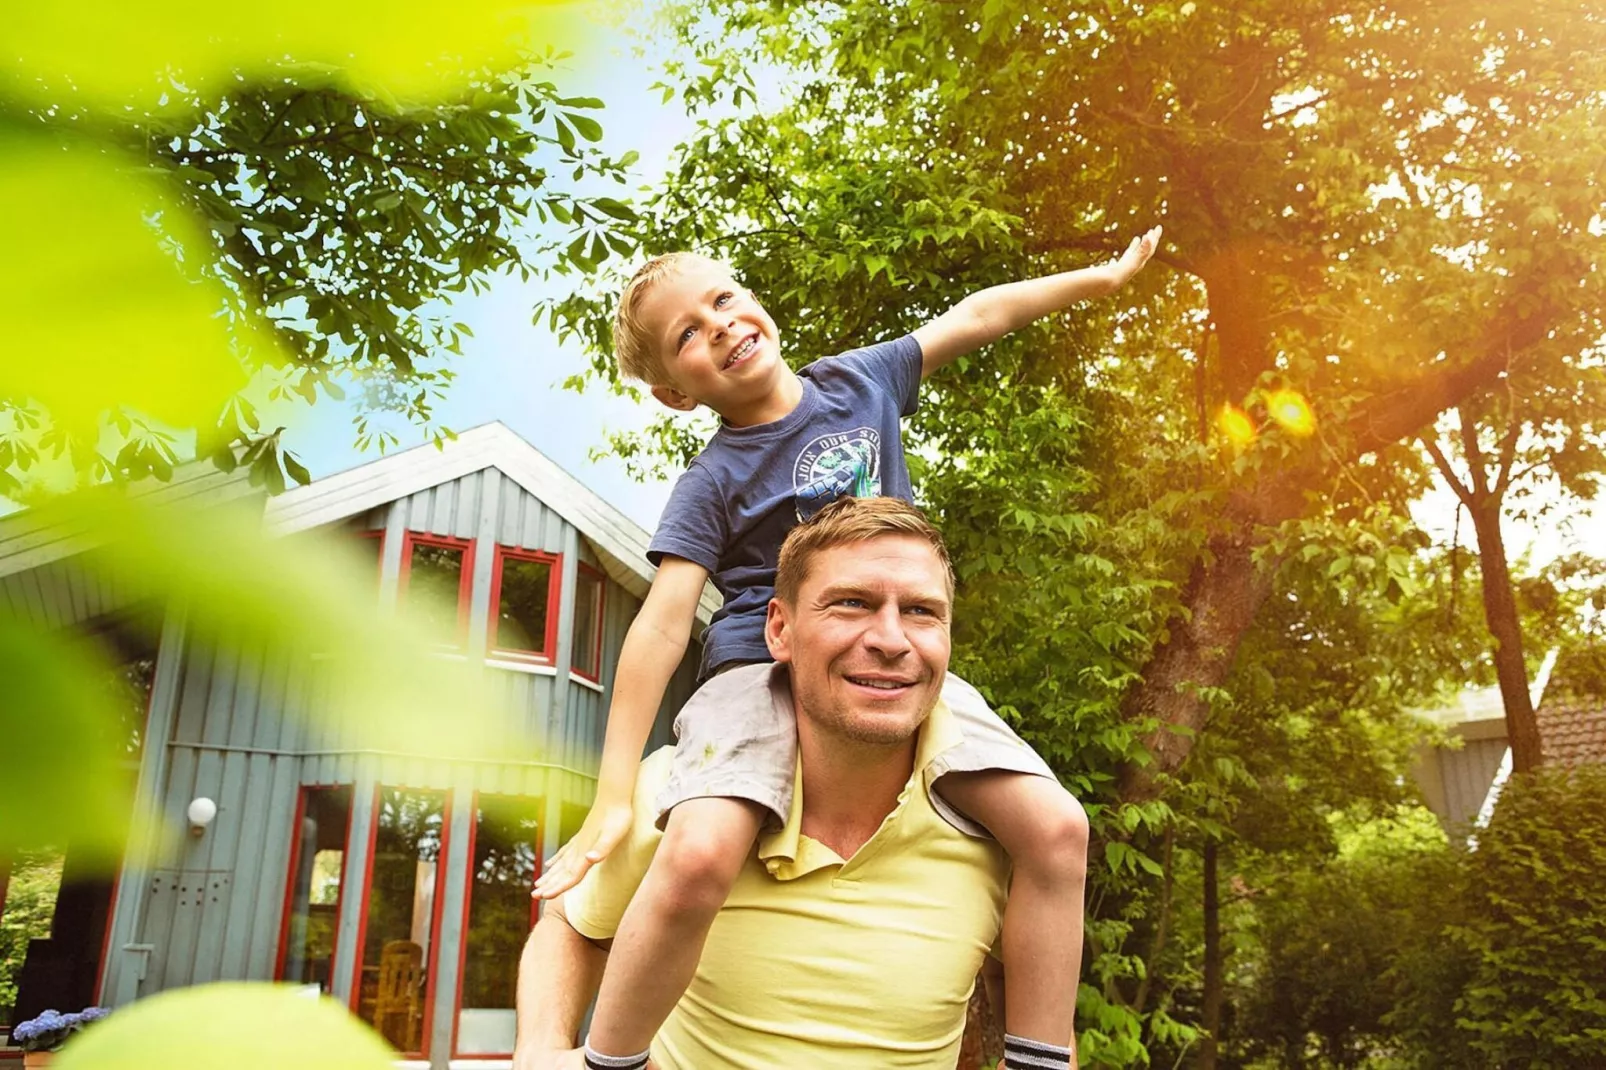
878,684
741,352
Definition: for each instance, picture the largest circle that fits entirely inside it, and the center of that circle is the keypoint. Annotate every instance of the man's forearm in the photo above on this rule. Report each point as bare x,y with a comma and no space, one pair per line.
558,976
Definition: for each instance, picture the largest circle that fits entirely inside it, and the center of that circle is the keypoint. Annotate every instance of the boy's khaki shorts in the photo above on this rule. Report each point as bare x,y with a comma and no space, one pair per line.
737,737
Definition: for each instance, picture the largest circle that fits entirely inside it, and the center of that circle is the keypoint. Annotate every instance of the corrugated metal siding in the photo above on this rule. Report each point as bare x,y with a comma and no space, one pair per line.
1467,774
63,594
251,728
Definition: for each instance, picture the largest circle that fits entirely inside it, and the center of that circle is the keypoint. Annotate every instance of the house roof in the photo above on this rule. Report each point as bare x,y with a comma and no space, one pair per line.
1572,718
35,537
620,542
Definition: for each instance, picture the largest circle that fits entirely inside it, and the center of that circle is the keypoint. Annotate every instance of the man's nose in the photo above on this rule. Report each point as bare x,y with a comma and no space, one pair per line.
885,634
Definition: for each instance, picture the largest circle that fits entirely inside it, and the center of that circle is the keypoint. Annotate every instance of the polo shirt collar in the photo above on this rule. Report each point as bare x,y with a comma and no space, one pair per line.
788,854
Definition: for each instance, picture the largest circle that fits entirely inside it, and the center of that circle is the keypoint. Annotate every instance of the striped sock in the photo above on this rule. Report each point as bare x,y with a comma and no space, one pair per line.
1023,1054
597,1061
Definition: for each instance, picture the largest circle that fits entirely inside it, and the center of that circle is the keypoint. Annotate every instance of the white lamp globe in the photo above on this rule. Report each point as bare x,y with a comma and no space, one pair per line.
201,812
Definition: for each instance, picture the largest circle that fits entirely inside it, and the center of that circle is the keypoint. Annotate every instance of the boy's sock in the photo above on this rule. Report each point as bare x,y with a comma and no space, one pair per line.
595,1061
1023,1054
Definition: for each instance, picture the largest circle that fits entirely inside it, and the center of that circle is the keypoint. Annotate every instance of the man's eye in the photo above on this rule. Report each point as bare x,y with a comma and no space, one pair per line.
851,603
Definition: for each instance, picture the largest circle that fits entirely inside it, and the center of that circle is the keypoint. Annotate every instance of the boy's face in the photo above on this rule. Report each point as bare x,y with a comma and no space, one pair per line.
718,345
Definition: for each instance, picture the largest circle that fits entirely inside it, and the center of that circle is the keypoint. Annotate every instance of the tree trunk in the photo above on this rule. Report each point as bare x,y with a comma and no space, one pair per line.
983,1043
1500,613
1213,989
1222,597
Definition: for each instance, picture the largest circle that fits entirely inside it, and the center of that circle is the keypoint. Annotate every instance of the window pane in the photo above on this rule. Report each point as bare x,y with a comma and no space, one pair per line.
309,947
434,578
522,605
499,919
401,911
30,907
587,619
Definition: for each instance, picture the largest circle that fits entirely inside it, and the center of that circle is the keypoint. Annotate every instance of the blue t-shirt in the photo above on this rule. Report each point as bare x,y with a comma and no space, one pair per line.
750,486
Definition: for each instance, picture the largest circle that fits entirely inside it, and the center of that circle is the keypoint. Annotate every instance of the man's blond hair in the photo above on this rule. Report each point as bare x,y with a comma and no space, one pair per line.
851,520
637,352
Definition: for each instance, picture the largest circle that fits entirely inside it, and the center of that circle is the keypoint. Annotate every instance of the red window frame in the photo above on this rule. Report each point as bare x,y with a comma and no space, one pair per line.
430,967
547,655
295,864
468,902
595,674
464,584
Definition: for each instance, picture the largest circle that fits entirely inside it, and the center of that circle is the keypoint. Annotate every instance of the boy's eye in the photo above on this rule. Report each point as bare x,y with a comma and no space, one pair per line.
722,299
686,334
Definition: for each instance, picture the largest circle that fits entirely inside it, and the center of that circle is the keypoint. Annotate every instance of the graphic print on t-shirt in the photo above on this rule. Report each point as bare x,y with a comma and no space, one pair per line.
837,464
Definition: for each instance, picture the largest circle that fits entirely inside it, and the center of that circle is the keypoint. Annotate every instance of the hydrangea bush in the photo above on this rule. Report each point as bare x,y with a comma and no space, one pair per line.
52,1028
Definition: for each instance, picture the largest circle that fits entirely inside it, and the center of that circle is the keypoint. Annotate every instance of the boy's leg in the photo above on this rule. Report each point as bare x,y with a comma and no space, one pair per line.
1045,831
705,844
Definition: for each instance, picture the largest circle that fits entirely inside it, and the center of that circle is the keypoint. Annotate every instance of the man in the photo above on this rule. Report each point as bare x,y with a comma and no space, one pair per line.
852,936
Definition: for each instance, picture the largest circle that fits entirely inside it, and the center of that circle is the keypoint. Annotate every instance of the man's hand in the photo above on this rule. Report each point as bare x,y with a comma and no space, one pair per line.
1137,254
604,827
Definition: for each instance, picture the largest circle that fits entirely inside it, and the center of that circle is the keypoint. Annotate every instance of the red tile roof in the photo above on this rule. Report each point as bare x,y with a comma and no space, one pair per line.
1572,715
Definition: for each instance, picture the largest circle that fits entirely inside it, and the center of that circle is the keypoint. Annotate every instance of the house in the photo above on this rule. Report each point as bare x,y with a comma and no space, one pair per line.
1461,782
397,883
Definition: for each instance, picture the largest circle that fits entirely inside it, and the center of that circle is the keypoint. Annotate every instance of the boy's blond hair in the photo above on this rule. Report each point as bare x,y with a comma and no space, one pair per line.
851,520
636,351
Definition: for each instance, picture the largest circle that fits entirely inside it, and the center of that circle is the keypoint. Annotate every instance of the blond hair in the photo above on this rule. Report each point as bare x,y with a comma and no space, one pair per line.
637,351
851,520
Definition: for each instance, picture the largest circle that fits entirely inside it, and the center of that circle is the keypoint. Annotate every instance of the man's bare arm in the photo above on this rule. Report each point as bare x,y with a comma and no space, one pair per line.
558,977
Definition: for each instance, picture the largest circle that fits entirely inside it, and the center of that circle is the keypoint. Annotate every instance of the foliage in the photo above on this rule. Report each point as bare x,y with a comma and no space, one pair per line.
269,207
1537,924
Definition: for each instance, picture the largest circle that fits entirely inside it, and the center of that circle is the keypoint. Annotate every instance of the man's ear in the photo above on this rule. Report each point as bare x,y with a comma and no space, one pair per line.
778,631
674,398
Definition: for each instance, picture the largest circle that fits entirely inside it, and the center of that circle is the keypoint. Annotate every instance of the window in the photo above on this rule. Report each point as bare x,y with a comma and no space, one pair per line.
312,892
586,656
524,605
401,917
28,891
436,572
498,914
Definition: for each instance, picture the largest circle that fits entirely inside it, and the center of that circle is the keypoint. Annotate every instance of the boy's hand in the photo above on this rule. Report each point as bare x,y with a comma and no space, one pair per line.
604,827
1137,254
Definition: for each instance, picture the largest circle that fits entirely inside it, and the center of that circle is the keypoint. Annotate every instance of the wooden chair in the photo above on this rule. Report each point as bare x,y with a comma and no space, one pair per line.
399,1003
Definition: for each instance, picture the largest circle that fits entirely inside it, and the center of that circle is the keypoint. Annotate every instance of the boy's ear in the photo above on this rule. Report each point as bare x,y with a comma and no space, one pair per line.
674,398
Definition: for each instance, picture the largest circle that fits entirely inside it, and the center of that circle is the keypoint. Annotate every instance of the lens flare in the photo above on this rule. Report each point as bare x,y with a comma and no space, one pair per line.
1236,425
1291,411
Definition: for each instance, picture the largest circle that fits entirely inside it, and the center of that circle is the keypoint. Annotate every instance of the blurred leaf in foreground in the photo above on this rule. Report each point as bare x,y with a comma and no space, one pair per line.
102,314
237,1025
111,54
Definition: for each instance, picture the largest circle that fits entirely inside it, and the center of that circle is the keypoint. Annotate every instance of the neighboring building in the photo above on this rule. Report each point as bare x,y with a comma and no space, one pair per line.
1461,783
397,883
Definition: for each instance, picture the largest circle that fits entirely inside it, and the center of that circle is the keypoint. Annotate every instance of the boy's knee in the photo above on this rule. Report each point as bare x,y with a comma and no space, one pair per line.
699,868
1062,835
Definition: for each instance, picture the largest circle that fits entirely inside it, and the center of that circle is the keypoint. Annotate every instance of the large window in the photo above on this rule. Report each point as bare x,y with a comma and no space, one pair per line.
586,657
436,572
312,893
506,859
401,917
524,604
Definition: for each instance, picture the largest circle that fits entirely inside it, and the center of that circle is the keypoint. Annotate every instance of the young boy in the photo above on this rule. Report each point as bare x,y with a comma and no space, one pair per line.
789,443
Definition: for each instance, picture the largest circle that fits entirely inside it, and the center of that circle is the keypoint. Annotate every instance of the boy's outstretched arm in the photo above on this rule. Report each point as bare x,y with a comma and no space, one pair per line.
987,315
652,651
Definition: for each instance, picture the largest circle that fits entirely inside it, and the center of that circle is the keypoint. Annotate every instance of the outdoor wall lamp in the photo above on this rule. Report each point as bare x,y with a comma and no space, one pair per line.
201,812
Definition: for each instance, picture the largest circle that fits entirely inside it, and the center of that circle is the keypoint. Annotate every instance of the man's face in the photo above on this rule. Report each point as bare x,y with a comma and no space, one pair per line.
867,640
716,342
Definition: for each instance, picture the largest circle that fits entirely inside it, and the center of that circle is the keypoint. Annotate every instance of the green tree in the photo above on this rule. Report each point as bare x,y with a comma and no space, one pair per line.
333,218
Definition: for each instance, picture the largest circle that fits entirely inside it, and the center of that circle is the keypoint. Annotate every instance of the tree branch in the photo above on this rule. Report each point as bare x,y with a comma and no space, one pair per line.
1443,464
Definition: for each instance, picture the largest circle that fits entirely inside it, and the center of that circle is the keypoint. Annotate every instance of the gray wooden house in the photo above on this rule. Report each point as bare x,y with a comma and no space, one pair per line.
396,883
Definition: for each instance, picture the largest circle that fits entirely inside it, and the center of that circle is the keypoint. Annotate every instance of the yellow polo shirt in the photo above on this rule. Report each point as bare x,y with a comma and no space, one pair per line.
817,961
